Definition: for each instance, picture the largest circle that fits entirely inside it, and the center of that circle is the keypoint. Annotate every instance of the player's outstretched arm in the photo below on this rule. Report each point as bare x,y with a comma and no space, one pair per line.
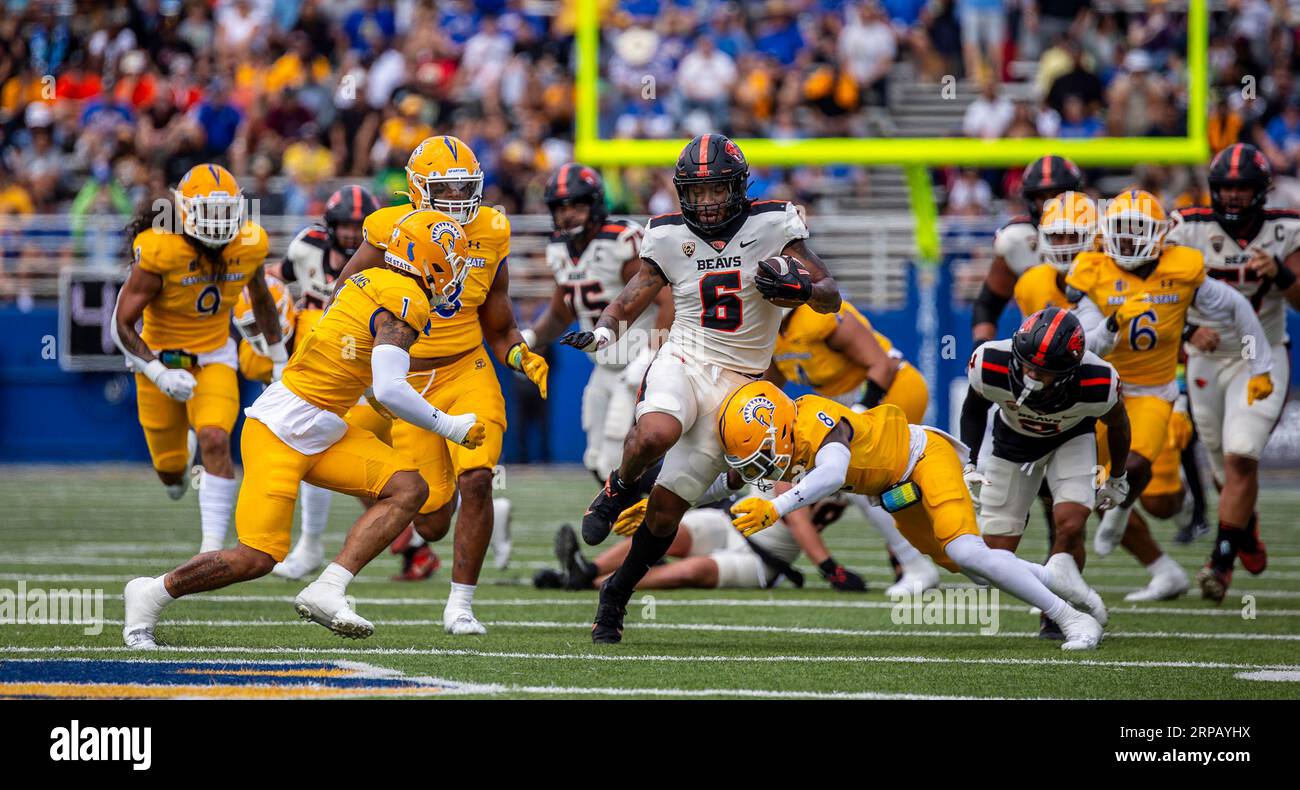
367,256
140,288
268,321
825,296
635,297
994,294
497,318
809,538
554,320
974,419
1282,273
1099,331
852,339
390,362
1222,301
1118,437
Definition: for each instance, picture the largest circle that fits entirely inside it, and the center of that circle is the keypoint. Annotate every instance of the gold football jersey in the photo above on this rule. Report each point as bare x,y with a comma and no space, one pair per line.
879,449
1036,289
802,356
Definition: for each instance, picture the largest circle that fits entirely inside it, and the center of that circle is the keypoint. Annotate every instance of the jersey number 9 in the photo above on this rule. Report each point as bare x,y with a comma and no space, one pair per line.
209,301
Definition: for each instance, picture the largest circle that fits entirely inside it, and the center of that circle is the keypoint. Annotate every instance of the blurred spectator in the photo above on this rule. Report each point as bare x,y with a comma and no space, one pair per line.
867,45
778,33
1284,137
240,25
1077,122
969,195
990,115
369,27
1131,94
707,77
218,121
1078,81
983,33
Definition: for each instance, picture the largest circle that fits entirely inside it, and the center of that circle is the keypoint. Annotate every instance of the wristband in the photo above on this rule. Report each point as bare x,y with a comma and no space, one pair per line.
828,566
1189,329
874,394
277,352
604,336
1285,278
154,369
530,337
515,356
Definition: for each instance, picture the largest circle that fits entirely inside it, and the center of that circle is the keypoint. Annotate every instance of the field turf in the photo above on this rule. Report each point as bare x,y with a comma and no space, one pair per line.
98,526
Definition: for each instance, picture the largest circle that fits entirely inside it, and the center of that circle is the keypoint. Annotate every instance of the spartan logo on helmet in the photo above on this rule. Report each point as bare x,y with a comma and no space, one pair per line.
759,410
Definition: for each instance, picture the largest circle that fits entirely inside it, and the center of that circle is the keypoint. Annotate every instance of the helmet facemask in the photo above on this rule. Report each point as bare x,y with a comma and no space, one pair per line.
213,219
725,210
573,232
458,194
765,463
1059,246
1132,238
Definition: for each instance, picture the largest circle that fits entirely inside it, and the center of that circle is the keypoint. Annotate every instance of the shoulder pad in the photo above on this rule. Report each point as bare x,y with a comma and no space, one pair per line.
765,206
673,218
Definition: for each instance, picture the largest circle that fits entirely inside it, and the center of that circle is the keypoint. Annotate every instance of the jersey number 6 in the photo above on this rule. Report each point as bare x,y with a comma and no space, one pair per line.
1142,337
719,295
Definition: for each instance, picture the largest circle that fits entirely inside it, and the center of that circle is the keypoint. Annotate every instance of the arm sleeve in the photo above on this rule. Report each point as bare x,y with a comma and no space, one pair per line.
1220,300
974,419
1100,340
826,477
988,307
719,490
388,368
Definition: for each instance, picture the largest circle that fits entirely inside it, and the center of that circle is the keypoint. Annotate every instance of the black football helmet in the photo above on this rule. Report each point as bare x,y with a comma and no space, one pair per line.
576,183
712,159
1045,178
1050,342
1240,164
351,204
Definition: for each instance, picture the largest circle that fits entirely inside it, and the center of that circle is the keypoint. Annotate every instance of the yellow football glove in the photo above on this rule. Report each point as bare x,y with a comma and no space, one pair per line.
1180,430
1133,307
753,514
531,365
475,436
1258,388
629,521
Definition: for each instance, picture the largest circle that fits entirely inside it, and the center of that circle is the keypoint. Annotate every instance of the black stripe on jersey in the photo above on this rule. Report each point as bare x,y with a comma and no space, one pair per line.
1095,382
1019,219
764,206
675,218
608,232
317,236
1281,213
1018,448
994,371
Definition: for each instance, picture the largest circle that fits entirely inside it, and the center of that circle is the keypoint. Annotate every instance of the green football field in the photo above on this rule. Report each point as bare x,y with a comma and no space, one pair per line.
96,527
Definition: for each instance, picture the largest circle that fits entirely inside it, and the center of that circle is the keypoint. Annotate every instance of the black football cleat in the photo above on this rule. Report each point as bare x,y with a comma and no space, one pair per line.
1048,629
608,626
548,579
613,499
1193,531
579,572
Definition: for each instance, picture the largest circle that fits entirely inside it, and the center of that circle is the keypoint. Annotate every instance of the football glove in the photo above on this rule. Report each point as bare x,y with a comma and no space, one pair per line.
793,286
467,430
588,341
1133,307
1112,492
531,365
840,577
753,514
828,511
974,481
175,383
1258,388
629,521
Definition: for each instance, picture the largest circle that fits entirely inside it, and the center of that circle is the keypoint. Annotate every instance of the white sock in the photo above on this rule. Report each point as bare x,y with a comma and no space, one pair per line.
417,540
1007,572
1164,564
904,552
461,597
158,592
315,513
216,500
335,576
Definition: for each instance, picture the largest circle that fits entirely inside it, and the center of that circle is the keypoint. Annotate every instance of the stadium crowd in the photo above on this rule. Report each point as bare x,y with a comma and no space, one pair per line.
102,104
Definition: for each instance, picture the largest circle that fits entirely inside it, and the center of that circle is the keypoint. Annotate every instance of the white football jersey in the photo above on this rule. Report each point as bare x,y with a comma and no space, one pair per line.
593,279
721,318
1017,243
1022,433
1225,260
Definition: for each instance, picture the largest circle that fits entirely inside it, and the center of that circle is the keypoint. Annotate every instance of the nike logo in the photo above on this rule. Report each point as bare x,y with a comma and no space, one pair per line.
744,244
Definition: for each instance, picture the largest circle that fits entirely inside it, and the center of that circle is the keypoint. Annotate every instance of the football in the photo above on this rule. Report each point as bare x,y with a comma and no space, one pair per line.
785,274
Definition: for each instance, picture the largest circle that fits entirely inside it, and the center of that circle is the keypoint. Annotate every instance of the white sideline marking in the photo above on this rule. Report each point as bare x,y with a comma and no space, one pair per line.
1283,675
756,629
707,659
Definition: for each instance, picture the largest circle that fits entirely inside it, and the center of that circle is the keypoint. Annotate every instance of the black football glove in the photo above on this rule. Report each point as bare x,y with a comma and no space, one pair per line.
584,341
794,286
840,577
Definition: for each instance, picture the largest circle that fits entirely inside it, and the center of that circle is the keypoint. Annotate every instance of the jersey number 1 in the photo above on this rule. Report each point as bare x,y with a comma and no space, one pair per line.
720,296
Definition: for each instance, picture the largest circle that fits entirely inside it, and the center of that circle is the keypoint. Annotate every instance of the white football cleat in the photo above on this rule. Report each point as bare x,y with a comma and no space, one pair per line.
501,543
462,622
1110,531
301,562
918,576
1067,582
141,615
1082,631
327,606
1163,586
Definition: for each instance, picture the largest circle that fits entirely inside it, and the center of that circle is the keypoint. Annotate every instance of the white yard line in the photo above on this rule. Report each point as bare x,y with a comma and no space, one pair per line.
309,652
906,633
